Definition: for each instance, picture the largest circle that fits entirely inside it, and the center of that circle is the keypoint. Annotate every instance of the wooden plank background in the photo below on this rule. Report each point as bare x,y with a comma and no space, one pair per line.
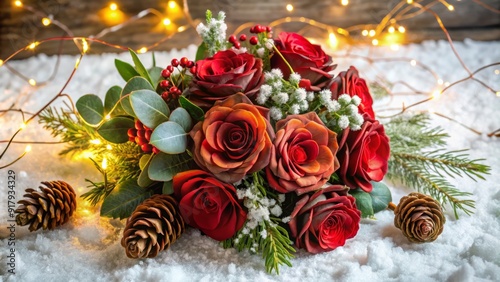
19,27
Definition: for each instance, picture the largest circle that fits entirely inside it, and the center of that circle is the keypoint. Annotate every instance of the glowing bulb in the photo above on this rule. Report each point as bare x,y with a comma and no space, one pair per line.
391,29
181,28
436,94
107,117
497,72
172,4
18,3
95,141
375,42
27,149
289,7
46,21
333,40
113,7
401,29
344,2
142,50
413,63
446,84
109,147
440,81
371,33
394,47
1,63
85,45
409,1
498,93
451,8
33,45
23,126
32,82
104,163
364,32
166,21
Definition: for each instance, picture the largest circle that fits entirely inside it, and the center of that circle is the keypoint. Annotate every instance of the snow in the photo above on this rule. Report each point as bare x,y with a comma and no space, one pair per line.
88,247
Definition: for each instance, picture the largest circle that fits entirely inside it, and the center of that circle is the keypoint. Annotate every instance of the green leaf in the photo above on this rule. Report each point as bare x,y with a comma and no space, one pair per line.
168,188
155,74
136,83
381,196
115,129
90,108
154,59
126,70
195,111
139,67
182,117
111,99
149,107
363,202
144,160
164,167
169,137
202,52
124,199
144,180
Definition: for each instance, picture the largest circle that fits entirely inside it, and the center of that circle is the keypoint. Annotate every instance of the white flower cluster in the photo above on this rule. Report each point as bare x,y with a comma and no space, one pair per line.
344,110
214,33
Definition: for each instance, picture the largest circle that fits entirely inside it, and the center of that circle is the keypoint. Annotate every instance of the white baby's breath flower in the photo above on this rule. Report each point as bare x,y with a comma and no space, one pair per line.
295,109
344,99
294,78
310,96
276,210
286,219
277,73
356,100
332,106
300,94
358,119
269,44
261,52
343,122
275,113
352,109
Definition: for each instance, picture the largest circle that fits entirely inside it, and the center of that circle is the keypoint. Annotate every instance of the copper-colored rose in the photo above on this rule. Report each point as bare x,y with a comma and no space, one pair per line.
303,155
420,217
363,155
234,139
225,74
349,82
324,220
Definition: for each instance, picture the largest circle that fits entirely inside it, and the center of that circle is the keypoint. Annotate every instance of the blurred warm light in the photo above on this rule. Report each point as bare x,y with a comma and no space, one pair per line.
23,126
181,28
107,117
401,29
436,94
371,33
446,84
27,149
77,63
451,8
1,63
166,21
172,4
104,163
109,147
498,93
46,21
440,81
409,1
332,40
95,141
18,3
289,7
85,45
113,7
364,32
344,2
413,63
32,82
375,42
497,72
391,29
394,47
33,45
112,15
142,50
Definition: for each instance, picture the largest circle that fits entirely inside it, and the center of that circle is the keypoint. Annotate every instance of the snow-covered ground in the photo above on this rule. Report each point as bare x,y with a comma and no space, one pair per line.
88,248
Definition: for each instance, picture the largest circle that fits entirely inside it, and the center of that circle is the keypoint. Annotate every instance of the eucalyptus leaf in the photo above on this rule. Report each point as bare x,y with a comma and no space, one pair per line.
164,167
168,188
169,137
155,74
139,67
90,108
195,111
136,83
149,107
363,202
111,99
183,118
115,129
381,196
125,69
123,200
144,180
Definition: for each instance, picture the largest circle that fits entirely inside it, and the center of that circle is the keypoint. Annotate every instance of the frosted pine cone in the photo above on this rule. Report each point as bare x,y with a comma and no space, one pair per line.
420,217
50,207
152,227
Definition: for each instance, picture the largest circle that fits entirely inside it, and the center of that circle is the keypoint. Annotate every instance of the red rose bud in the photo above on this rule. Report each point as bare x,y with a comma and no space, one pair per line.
174,63
308,60
349,82
363,155
208,204
324,220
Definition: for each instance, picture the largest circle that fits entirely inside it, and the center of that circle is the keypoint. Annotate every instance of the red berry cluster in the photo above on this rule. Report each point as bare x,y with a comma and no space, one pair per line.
171,91
141,135
253,40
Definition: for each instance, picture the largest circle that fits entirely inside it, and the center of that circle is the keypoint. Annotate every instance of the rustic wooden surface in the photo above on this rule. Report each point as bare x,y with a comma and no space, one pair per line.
19,28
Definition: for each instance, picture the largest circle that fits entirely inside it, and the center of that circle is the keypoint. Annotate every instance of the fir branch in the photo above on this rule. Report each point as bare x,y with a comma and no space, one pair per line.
99,191
413,133
277,248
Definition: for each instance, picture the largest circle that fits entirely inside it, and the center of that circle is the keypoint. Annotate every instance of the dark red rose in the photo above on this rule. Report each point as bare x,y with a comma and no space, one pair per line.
349,82
363,155
234,139
303,154
324,220
208,204
225,74
306,59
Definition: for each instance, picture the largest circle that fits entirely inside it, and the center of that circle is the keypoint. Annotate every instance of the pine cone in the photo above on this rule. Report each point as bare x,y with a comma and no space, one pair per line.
420,217
152,227
48,208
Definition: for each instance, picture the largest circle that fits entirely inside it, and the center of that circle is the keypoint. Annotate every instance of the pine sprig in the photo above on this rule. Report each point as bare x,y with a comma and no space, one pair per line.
277,248
418,161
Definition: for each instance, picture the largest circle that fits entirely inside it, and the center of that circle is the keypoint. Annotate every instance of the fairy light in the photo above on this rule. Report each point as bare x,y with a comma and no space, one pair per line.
172,4
413,63
113,6
436,94
344,2
85,45
409,1
109,147
142,50
181,28
32,82
289,7
375,42
22,126
364,32
446,84
27,149
440,81
104,163
391,29
497,72
107,117
332,40
401,29
1,63
46,21
451,8
18,3
166,21
33,45
95,141
394,47
371,33
498,93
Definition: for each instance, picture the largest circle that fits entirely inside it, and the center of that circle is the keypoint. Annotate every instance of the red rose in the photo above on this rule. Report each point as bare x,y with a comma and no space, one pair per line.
303,155
306,59
349,82
324,220
224,74
208,204
233,140
363,155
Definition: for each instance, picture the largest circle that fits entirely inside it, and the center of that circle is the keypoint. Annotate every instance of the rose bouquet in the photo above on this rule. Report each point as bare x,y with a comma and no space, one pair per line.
256,142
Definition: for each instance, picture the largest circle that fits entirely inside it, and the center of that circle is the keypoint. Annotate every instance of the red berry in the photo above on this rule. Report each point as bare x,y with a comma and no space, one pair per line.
269,29
146,148
170,68
165,95
173,89
138,125
252,29
184,62
166,73
132,132
254,40
232,39
190,64
147,134
131,139
243,37
175,62
156,150
237,45
164,83
192,70
140,133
